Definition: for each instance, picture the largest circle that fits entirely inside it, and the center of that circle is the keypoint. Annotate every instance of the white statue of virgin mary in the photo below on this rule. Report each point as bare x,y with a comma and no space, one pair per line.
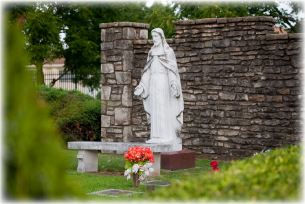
160,88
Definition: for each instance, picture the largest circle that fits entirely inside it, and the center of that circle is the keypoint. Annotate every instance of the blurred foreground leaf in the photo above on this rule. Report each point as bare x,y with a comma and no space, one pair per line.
34,162
272,176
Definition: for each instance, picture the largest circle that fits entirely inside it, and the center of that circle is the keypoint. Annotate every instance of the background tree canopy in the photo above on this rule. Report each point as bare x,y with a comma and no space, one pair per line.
43,22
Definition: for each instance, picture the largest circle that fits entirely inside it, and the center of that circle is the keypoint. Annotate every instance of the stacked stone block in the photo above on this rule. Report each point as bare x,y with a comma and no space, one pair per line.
240,82
117,63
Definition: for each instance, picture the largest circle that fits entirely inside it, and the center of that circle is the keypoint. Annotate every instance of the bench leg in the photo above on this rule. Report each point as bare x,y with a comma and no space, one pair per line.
87,160
156,165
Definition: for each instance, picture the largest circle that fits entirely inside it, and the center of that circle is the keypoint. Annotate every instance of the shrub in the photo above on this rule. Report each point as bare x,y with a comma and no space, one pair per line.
77,115
34,163
275,175
98,95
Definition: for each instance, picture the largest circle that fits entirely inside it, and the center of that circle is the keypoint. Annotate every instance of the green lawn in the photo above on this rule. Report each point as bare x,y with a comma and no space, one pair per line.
115,163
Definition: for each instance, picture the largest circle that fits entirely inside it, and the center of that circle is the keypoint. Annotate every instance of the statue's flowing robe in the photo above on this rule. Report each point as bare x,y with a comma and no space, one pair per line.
164,110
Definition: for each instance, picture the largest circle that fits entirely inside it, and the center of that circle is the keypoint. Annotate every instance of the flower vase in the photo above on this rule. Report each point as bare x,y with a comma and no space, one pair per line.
136,181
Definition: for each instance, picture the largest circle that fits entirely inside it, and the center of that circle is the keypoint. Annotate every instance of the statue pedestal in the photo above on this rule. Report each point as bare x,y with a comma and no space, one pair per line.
176,144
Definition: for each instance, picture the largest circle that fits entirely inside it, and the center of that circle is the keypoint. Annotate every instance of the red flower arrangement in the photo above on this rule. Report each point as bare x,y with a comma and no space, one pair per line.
138,161
214,164
137,154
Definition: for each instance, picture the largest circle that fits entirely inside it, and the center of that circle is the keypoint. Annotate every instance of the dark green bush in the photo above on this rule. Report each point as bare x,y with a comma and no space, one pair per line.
77,115
271,176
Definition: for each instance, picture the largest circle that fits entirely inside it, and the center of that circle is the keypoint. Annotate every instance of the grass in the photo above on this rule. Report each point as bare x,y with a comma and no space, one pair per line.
115,163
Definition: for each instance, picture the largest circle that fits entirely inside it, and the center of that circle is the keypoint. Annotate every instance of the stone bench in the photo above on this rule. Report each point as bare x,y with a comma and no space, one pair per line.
88,153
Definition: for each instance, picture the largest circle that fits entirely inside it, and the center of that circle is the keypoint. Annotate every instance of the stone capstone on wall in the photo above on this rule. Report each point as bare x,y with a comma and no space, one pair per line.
240,83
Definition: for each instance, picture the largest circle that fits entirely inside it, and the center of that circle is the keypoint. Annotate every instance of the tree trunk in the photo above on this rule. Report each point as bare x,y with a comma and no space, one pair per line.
40,76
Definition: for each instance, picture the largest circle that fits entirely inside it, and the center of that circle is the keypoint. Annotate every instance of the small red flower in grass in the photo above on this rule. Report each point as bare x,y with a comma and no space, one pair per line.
214,164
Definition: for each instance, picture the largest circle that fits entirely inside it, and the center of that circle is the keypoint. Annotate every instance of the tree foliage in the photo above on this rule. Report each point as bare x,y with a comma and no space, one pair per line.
81,27
160,16
200,10
284,18
42,30
204,9
79,22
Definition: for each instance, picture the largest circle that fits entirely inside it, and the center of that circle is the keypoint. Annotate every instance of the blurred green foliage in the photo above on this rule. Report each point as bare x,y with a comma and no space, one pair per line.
271,176
34,162
77,115
98,95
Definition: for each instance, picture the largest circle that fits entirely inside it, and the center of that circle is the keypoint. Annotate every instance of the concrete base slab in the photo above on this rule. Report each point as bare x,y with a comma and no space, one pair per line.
157,183
176,160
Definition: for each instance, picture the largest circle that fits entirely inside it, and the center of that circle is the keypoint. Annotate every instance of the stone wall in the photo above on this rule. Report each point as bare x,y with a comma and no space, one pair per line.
240,82
117,63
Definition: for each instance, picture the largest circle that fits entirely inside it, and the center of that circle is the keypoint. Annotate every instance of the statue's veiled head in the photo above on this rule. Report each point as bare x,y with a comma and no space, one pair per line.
158,36
157,39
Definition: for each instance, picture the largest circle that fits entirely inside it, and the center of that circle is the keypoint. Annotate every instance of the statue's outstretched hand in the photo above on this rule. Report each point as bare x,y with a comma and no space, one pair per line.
174,90
139,90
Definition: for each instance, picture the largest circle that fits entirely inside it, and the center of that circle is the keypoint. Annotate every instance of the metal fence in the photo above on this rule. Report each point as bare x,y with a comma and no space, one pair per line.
67,82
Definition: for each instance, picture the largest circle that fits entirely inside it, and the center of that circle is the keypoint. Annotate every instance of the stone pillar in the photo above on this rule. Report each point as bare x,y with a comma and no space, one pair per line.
117,63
